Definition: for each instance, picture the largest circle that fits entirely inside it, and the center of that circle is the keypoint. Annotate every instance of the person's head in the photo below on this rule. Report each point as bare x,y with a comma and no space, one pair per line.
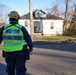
13,16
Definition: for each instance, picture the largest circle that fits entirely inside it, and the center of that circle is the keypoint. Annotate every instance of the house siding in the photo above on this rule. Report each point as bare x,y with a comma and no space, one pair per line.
45,28
22,22
58,27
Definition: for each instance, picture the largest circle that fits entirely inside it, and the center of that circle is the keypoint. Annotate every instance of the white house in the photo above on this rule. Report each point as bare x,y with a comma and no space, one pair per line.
45,24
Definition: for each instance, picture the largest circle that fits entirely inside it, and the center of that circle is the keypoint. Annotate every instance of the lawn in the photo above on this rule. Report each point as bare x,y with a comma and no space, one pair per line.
53,39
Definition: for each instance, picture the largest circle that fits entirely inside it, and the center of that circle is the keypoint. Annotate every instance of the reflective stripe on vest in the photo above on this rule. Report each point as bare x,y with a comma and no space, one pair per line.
13,38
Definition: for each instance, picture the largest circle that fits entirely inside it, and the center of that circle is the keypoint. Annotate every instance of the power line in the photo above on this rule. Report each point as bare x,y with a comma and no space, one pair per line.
19,5
1,1
73,2
14,4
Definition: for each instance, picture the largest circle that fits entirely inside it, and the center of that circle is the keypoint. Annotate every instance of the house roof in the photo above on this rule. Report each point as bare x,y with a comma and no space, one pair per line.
48,15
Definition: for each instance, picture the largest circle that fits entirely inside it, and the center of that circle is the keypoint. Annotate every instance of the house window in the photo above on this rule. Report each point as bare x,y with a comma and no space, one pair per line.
52,25
36,29
26,23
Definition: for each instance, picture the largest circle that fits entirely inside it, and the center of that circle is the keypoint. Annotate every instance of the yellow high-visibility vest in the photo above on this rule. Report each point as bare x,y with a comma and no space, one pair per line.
13,38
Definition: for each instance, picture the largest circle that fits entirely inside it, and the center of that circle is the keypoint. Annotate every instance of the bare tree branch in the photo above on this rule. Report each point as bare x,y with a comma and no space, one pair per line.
3,12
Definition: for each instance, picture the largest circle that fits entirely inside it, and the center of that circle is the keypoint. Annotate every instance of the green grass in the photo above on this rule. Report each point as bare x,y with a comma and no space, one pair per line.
53,39
59,37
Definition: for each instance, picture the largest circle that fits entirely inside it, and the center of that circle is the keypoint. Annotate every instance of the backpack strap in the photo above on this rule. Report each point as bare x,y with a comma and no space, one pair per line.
7,26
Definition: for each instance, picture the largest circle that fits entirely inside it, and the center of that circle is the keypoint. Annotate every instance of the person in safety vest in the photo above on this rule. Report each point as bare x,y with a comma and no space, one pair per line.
16,39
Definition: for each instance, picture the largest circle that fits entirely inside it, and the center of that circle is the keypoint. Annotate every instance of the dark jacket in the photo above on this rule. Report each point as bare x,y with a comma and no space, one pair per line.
27,37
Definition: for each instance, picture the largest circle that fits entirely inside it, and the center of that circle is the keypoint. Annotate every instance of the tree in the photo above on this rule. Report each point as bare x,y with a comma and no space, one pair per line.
71,31
64,9
69,17
3,12
55,9
65,17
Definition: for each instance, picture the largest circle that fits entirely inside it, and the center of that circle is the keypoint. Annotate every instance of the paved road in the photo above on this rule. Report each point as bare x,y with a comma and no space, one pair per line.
56,59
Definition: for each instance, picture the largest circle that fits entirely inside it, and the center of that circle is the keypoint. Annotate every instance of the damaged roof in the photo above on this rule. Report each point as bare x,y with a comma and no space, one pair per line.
48,15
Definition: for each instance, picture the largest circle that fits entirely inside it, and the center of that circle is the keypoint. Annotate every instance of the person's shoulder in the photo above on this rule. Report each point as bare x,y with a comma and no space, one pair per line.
2,27
22,27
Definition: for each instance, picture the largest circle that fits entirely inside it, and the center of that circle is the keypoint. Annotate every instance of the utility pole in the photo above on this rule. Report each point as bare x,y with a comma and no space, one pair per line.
31,19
